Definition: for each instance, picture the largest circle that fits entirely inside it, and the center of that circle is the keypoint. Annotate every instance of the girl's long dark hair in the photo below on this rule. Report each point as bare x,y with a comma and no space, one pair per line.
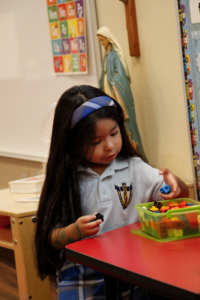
67,150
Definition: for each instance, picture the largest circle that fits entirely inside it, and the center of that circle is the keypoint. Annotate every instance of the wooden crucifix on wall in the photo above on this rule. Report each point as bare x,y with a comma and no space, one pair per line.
131,24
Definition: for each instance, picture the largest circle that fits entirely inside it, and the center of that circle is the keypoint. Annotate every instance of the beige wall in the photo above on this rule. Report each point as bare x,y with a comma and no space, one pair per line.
156,84
13,169
156,81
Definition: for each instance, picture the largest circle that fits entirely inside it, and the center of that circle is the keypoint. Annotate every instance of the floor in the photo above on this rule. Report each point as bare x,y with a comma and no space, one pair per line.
8,277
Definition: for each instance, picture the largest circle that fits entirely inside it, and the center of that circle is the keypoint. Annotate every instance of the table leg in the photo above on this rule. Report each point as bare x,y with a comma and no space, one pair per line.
110,285
29,284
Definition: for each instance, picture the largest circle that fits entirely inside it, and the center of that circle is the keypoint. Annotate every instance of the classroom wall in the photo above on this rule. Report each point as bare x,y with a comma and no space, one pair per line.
156,84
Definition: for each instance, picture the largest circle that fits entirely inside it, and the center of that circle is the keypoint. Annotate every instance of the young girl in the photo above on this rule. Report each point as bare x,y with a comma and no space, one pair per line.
92,167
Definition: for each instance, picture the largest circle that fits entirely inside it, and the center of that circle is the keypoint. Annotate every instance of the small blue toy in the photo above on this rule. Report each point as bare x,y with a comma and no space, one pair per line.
165,189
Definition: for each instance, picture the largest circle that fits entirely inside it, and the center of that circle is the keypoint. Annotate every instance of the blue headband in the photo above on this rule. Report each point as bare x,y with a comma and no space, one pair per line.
90,106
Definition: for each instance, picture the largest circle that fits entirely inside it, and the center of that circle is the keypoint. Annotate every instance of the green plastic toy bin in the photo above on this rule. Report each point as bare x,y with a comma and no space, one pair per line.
169,226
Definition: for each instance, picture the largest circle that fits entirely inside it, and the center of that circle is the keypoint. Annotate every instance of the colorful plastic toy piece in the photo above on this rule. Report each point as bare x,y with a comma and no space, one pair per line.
170,232
158,204
165,189
193,224
178,232
174,218
163,234
172,204
182,204
169,223
153,208
162,225
98,216
184,219
192,216
164,209
174,207
178,224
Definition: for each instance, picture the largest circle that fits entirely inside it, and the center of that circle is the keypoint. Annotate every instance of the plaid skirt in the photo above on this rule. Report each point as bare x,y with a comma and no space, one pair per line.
76,282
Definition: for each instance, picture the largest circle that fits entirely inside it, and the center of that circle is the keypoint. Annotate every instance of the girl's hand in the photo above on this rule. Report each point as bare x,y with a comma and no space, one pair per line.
172,181
84,228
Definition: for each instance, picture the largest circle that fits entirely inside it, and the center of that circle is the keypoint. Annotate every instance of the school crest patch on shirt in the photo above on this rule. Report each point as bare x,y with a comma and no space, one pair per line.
125,194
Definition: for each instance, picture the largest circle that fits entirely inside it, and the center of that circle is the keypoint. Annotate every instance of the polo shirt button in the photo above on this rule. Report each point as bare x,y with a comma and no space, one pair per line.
104,192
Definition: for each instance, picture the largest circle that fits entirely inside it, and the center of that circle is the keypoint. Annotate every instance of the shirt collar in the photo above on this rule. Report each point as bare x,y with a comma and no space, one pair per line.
117,164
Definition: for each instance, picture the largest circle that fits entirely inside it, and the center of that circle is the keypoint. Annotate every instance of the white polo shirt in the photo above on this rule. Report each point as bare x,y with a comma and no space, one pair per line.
114,193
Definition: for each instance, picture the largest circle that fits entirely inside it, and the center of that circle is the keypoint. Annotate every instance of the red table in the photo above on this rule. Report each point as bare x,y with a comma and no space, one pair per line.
171,269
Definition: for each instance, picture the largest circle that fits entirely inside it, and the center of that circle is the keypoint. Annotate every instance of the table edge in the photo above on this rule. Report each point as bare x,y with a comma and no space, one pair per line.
136,279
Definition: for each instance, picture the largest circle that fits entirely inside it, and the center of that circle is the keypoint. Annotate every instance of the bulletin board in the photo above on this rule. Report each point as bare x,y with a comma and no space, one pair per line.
29,87
189,22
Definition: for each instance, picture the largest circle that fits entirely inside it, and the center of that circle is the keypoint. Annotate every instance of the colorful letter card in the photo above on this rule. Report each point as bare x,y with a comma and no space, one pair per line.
67,27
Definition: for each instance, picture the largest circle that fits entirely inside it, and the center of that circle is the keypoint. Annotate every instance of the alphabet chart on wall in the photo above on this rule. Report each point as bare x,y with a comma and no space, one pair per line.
67,27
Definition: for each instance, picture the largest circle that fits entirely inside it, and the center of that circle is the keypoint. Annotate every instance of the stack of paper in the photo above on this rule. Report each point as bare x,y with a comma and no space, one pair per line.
28,200
27,185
